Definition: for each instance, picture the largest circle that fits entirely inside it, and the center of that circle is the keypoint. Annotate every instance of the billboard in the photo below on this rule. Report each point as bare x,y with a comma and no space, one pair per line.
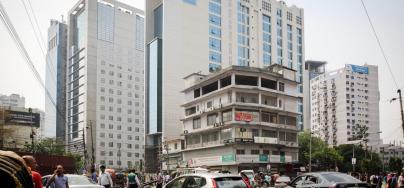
242,116
358,69
21,118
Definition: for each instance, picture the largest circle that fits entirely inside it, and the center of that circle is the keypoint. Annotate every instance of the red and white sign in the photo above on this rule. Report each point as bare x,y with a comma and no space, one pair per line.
242,116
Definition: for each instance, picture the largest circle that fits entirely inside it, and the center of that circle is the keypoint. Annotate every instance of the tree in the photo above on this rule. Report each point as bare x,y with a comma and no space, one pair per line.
323,156
370,163
395,164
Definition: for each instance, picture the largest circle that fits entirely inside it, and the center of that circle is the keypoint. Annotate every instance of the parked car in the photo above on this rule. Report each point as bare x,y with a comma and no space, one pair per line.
250,175
207,180
75,181
282,181
327,179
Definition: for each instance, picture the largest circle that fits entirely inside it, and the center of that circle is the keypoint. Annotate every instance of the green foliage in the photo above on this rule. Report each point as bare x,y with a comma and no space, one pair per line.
51,146
323,157
395,164
366,161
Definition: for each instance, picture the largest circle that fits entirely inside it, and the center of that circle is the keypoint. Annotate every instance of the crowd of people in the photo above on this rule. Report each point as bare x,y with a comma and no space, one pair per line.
385,180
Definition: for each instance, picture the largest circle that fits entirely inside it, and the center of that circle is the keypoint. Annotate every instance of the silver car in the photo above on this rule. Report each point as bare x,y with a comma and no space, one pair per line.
207,180
327,179
75,181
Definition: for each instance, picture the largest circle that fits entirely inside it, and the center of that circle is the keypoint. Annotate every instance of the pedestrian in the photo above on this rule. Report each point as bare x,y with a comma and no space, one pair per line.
58,179
159,180
32,166
93,176
401,180
104,178
133,180
13,171
393,183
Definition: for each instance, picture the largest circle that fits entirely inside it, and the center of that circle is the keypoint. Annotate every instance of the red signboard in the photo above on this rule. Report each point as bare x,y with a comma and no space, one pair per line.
242,116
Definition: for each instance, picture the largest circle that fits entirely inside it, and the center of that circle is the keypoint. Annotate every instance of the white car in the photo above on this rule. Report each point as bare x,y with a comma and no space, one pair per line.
75,181
282,181
207,180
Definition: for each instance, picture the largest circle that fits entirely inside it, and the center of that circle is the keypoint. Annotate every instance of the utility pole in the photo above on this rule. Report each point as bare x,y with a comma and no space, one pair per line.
119,156
32,131
401,108
84,148
92,143
310,153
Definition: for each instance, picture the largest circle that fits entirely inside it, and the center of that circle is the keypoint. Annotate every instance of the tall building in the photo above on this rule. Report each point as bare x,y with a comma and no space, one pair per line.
13,100
312,69
55,82
343,101
190,36
105,82
242,118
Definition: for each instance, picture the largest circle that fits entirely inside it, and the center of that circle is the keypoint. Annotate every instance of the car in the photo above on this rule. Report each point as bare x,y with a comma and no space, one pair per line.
327,179
282,181
75,181
250,175
207,180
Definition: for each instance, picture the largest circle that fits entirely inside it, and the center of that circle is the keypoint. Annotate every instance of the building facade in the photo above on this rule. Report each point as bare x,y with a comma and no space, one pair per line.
19,126
105,83
55,82
312,69
241,118
343,101
190,36
13,100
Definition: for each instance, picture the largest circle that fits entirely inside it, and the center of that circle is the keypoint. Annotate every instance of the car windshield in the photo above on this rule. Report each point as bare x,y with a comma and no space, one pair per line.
230,182
79,180
339,178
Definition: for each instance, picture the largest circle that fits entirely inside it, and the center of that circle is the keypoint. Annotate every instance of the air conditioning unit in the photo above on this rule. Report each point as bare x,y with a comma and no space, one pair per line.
216,125
185,131
211,108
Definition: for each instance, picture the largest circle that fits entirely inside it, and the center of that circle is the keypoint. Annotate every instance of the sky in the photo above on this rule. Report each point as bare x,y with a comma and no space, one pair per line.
336,31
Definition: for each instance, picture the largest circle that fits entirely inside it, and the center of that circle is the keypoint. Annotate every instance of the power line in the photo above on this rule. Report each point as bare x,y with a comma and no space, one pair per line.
379,43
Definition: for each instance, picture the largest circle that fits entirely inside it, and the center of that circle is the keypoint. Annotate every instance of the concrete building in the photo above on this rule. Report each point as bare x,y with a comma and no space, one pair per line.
13,100
55,82
105,82
17,125
241,118
312,69
343,100
190,36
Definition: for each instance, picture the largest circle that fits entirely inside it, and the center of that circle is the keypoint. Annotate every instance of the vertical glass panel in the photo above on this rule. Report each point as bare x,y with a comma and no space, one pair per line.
106,17
154,88
158,22
139,33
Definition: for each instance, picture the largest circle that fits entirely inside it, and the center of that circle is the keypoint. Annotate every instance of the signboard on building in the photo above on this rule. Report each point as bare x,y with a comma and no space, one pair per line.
265,140
358,69
243,116
21,118
228,158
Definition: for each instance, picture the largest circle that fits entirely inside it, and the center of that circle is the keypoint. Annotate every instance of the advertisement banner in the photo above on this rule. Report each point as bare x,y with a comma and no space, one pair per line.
21,118
242,116
228,158
358,69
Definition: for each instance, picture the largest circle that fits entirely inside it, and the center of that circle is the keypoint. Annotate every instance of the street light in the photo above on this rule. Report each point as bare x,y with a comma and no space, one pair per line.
310,152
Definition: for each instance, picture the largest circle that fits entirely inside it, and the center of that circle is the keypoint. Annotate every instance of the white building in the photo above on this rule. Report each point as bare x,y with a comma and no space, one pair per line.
190,36
105,82
13,100
312,69
343,100
55,82
241,118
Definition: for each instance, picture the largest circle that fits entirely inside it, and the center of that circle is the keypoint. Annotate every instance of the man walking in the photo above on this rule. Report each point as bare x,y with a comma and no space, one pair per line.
133,180
104,178
32,165
58,179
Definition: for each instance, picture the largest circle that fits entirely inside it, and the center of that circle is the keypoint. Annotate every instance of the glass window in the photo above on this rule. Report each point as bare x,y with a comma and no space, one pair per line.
211,119
215,57
214,44
196,123
106,17
214,8
227,116
215,31
215,20
281,86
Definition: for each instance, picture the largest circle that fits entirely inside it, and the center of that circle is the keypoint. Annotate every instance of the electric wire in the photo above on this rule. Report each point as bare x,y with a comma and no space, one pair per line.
379,44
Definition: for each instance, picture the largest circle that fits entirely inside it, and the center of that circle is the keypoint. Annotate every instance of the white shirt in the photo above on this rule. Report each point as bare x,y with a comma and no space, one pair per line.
105,179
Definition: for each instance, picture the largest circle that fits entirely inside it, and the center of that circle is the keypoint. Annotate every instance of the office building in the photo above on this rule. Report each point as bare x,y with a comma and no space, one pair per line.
105,83
55,82
13,100
242,118
191,36
312,69
343,101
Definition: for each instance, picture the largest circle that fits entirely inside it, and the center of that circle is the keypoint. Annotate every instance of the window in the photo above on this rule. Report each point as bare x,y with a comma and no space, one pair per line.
255,152
197,123
215,20
281,86
211,119
215,31
227,116
240,152
214,44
